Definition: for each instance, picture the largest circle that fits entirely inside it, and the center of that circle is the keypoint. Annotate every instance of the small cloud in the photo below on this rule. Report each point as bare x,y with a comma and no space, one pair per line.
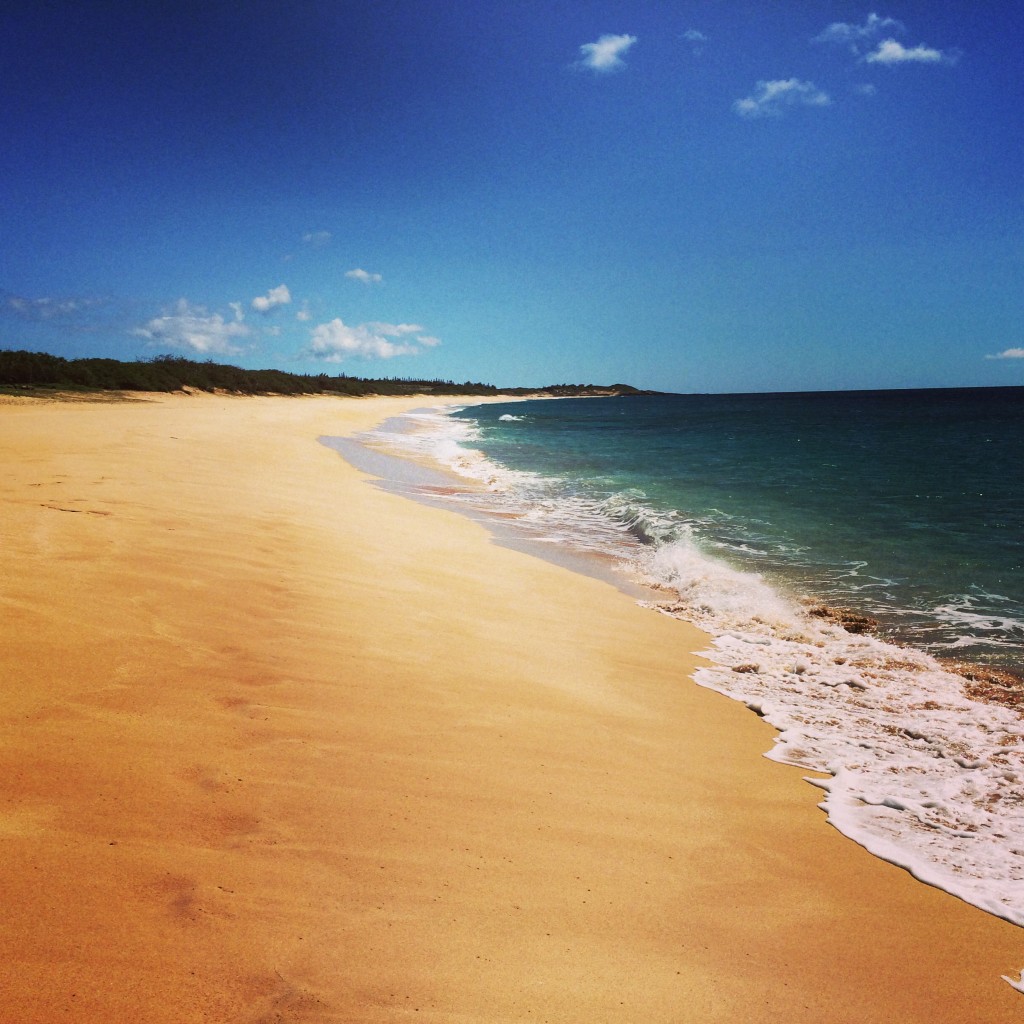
1008,353
192,329
279,296
696,40
48,309
304,314
865,89
770,98
845,33
80,314
891,52
606,54
361,275
317,239
397,330
336,340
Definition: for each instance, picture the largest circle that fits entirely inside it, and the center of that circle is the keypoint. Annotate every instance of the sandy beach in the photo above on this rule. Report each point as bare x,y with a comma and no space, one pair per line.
280,746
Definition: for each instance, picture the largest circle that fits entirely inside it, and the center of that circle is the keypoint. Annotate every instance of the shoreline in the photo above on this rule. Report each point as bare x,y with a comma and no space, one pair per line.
420,478
989,683
877,725
279,742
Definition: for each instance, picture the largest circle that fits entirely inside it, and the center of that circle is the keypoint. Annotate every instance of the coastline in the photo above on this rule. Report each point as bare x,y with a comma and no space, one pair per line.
916,771
281,743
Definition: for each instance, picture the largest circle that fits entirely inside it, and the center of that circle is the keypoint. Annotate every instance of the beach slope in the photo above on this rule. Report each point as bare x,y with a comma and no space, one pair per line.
280,746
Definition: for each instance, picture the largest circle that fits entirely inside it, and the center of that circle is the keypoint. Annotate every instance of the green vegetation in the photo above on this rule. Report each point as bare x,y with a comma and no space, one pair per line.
37,370
22,372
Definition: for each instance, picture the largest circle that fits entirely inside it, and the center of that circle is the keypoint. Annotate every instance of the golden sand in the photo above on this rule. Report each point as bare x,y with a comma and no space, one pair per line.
279,746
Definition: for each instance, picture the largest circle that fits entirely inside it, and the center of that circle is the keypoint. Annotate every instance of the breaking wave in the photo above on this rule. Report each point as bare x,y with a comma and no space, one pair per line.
914,768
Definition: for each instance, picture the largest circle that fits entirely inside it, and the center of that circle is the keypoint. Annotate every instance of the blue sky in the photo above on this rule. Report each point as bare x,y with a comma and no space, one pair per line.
716,196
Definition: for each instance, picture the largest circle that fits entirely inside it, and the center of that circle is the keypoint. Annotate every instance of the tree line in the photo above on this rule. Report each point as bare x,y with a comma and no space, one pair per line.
22,370
166,373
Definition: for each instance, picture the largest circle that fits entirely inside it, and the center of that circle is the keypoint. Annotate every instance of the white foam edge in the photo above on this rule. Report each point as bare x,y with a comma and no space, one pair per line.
1018,984
839,808
473,464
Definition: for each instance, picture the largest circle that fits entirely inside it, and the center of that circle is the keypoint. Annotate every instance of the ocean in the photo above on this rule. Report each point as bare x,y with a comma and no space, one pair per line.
856,557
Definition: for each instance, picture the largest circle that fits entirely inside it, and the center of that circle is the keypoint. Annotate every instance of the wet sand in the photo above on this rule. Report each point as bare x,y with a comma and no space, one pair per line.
280,746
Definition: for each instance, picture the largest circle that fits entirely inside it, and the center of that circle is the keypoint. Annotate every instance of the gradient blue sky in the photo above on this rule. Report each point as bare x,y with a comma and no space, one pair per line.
716,196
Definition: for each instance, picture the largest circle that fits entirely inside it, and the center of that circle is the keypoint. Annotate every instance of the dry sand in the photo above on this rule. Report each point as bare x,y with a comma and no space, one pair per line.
279,746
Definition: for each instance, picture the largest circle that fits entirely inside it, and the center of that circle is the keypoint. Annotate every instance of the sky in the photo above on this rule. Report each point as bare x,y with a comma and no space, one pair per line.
704,196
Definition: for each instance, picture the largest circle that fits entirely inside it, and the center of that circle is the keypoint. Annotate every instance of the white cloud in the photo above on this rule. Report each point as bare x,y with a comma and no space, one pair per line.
606,54
770,98
892,52
696,39
47,308
317,239
362,275
844,32
304,314
1008,353
397,330
336,340
279,296
193,329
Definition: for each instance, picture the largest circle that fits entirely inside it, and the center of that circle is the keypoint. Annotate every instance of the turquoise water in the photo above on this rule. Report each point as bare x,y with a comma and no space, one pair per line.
907,506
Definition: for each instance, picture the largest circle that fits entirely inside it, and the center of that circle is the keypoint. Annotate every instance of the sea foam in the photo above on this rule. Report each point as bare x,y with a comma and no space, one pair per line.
912,768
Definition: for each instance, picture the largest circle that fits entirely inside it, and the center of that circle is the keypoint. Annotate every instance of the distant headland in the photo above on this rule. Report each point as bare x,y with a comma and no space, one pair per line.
24,372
